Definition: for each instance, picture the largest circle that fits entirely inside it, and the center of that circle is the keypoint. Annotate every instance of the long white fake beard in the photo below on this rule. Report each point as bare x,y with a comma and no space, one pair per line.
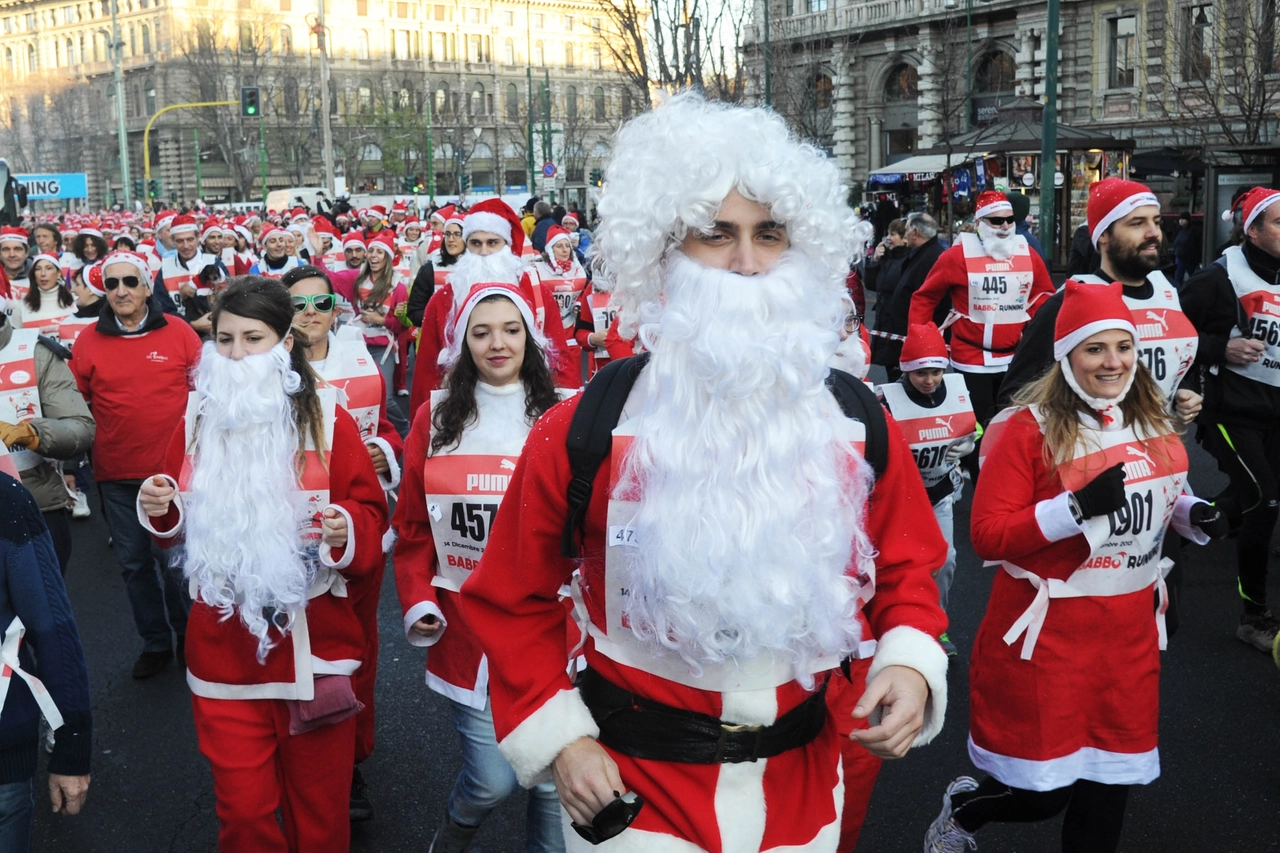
851,357
472,269
243,544
750,506
999,243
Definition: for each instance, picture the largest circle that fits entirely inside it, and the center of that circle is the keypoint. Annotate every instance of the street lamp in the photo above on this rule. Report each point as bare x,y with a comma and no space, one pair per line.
116,44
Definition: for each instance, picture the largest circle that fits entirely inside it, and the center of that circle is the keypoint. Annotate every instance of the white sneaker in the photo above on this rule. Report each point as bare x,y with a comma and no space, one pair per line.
403,392
81,507
945,835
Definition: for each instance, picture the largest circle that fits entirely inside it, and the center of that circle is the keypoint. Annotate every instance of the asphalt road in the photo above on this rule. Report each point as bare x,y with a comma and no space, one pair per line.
1219,791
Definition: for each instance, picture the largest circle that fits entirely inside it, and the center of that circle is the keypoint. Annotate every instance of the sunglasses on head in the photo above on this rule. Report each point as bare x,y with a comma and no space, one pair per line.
611,820
129,281
999,220
322,302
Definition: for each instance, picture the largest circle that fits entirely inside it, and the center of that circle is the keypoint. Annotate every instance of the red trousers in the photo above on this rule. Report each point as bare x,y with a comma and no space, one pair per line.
364,600
860,767
259,767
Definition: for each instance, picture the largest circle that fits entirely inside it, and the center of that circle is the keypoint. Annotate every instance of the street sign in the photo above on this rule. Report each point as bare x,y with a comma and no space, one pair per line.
548,169
67,185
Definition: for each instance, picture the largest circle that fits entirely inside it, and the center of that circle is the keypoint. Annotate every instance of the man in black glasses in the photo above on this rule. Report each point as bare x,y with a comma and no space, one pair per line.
995,284
133,369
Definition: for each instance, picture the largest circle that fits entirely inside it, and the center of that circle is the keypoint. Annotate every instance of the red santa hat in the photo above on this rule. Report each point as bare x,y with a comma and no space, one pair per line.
458,216
9,234
133,259
570,216
495,216
400,205
378,210
477,294
992,203
556,234
324,226
411,222
269,229
1251,204
298,214
245,233
353,239
385,241
923,349
43,256
89,230
183,224
92,278
1086,310
211,227
1113,199
442,214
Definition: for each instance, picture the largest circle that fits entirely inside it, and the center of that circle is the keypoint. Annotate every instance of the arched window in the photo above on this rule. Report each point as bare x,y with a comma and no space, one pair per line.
291,102
135,103
71,52
146,39
151,96
509,52
442,99
596,59
8,60
902,84
571,102
822,92
513,101
286,41
476,107
32,65
539,55
568,55
626,103
364,97
597,103
362,44
997,74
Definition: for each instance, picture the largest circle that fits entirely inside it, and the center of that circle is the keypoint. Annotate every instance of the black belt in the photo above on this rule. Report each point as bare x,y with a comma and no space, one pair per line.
642,728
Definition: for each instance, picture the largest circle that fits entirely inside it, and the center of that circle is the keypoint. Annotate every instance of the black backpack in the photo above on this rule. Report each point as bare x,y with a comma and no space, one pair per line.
591,431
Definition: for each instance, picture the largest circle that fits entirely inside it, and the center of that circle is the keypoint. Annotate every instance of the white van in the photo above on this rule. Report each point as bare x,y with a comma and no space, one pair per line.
282,200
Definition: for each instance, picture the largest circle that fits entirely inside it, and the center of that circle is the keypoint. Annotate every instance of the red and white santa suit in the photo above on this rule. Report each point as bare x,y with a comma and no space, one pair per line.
789,802
597,316
991,299
1064,679
492,216
242,719
567,279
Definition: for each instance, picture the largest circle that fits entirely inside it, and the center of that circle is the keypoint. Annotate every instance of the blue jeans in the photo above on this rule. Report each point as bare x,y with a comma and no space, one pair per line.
156,592
487,779
17,805
944,512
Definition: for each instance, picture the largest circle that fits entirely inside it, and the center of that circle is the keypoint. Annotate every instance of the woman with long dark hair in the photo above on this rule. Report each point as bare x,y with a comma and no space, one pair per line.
498,384
435,269
271,489
47,301
1074,500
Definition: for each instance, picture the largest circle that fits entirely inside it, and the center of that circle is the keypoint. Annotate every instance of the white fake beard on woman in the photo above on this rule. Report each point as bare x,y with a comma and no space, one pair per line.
472,269
243,543
999,247
851,357
750,507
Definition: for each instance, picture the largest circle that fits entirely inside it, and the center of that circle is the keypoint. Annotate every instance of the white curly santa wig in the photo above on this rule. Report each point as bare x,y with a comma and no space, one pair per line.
672,167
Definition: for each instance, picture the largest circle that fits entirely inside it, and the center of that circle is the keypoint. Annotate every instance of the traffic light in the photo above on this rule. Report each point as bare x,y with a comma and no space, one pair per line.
249,96
464,183
154,188
137,187
597,177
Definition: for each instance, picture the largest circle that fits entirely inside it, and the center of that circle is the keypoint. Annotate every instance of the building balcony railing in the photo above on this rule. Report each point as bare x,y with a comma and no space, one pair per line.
858,16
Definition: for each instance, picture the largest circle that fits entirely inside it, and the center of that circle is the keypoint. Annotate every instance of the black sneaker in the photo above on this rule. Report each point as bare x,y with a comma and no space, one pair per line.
361,808
1259,630
150,663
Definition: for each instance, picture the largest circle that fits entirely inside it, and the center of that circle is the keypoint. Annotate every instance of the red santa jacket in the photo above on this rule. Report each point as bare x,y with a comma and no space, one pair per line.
511,603
222,654
950,277
456,667
429,375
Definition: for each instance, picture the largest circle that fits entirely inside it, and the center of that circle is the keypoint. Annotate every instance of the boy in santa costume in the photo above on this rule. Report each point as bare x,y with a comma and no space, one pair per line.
734,536
996,284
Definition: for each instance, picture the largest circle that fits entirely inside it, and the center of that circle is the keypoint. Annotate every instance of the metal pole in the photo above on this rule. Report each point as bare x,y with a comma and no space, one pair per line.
122,133
262,155
195,132
968,74
431,153
1049,132
768,75
528,70
325,128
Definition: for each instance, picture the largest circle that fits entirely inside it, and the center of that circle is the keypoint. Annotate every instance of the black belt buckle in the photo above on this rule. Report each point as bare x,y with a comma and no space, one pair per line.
727,729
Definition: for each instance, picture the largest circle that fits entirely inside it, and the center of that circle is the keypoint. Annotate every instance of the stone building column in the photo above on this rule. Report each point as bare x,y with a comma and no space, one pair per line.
931,88
875,150
844,121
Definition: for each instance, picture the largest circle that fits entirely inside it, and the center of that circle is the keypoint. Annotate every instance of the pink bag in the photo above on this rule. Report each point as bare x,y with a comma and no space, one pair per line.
335,701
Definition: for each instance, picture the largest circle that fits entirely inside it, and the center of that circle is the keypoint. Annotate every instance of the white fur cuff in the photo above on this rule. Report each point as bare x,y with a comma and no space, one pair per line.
913,648
1181,521
540,737
349,553
392,478
418,611
145,520
1055,518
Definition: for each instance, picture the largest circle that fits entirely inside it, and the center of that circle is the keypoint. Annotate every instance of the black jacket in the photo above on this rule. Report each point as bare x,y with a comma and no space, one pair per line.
894,306
884,272
1210,303
108,325
539,237
1083,258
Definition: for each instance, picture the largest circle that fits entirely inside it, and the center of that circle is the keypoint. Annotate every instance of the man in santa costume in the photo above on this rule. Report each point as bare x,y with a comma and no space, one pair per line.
14,251
495,242
187,277
735,537
276,258
1235,306
996,284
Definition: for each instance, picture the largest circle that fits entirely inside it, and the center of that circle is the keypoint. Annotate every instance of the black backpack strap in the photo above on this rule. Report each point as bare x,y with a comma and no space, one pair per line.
859,402
591,438
55,346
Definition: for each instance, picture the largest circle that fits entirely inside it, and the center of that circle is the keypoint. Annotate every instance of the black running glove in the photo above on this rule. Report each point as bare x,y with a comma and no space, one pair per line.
1211,520
1104,494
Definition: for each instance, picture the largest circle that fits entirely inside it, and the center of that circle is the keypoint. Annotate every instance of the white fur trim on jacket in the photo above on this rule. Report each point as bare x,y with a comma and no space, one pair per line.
145,520
326,553
418,611
540,737
911,647
392,478
1055,518
1181,521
